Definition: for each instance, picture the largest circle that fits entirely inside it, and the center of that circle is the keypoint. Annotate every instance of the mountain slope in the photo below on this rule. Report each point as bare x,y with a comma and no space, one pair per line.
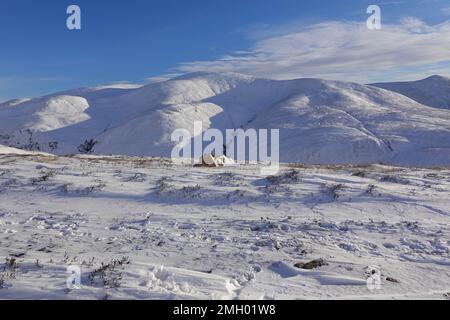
320,122
337,122
433,91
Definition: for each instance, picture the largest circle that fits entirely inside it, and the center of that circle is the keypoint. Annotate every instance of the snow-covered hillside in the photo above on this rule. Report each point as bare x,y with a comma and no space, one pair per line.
321,122
433,91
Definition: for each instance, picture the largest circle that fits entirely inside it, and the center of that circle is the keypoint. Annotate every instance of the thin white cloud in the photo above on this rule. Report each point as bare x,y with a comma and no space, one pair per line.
162,78
338,50
446,11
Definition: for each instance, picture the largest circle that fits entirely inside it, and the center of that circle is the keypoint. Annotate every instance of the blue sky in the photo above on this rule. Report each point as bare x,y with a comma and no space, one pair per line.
136,40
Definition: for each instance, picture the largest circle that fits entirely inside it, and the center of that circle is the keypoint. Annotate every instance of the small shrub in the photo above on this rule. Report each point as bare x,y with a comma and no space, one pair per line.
360,174
38,264
137,177
91,189
65,188
69,188
371,189
228,179
10,268
335,191
394,179
191,191
162,185
44,178
108,275
291,176
68,259
53,145
11,263
87,147
31,144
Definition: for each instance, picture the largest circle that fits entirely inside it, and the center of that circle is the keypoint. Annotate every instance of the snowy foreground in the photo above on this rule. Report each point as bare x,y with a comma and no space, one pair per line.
170,232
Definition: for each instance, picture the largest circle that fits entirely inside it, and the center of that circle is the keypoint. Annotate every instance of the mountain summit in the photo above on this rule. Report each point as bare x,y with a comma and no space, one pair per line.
433,91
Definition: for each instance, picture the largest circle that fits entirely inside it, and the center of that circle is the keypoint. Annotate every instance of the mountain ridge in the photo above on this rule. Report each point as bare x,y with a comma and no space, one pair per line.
320,121
433,91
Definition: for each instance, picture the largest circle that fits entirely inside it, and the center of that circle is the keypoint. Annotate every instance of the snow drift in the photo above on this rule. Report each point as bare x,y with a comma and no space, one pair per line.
13,151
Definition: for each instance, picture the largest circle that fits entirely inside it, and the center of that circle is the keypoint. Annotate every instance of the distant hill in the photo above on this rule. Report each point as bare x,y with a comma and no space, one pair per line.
433,91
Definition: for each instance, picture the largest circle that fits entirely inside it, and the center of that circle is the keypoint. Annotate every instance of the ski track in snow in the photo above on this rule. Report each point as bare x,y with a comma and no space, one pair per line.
227,233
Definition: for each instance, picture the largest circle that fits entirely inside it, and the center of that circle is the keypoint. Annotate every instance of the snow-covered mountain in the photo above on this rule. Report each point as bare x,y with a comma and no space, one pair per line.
320,122
433,91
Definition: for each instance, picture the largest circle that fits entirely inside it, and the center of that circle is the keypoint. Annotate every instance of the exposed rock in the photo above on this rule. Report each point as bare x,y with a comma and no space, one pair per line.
311,265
